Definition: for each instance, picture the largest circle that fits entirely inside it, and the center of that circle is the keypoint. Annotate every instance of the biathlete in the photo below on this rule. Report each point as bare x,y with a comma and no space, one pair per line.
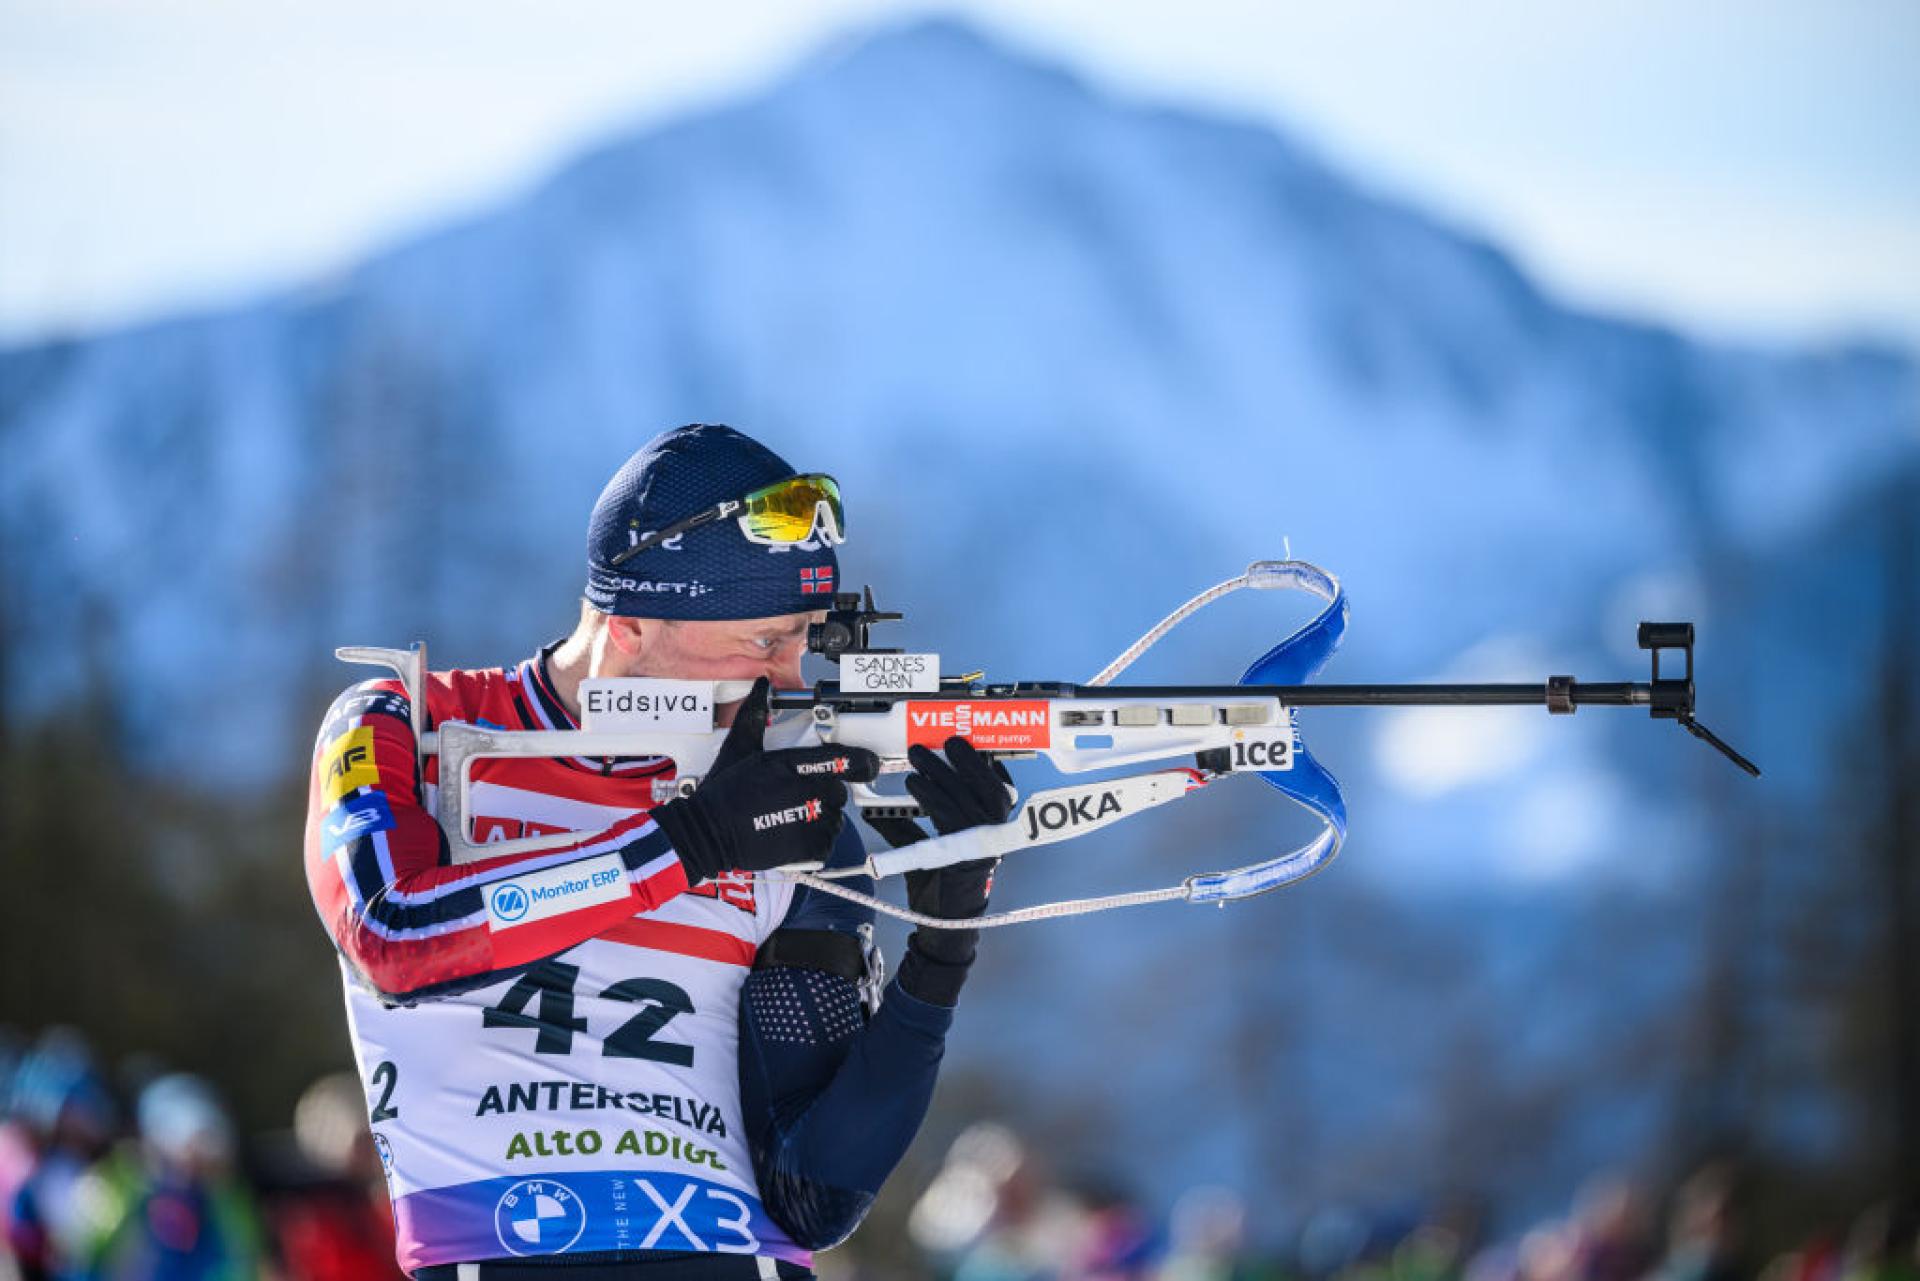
649,1060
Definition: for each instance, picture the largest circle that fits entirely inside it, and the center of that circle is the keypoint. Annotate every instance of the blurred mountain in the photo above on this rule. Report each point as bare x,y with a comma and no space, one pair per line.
1073,357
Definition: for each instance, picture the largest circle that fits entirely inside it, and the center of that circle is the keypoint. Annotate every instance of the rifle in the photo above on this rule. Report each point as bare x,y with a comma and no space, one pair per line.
886,701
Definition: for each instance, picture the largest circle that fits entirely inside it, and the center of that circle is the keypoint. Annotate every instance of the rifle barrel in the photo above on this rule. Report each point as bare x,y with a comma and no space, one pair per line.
1589,694
1665,699
1616,694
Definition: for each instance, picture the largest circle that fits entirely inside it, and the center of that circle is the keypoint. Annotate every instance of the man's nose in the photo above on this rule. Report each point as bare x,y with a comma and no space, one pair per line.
785,673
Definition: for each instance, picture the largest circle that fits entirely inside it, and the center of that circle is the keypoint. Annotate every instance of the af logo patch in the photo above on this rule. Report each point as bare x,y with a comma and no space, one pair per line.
347,764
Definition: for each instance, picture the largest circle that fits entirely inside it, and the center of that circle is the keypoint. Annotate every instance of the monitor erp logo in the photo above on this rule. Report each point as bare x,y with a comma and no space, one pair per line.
539,1216
538,895
510,901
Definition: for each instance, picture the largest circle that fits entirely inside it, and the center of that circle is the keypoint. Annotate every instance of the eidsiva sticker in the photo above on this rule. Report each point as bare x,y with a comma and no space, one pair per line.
643,703
1011,725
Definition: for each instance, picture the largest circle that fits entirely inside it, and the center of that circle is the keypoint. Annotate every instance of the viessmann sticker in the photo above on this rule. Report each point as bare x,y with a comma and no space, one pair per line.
1014,725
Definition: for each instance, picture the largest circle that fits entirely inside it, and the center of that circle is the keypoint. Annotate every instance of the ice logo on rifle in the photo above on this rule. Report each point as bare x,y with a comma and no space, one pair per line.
539,1216
510,902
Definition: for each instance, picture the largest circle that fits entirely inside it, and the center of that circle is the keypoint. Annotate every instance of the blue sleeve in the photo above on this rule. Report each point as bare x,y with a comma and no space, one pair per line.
831,1100
813,909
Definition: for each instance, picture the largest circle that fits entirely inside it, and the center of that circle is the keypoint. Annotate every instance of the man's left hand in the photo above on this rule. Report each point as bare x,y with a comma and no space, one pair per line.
962,791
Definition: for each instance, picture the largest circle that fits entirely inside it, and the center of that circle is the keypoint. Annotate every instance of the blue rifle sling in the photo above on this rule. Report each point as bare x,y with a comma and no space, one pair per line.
1294,661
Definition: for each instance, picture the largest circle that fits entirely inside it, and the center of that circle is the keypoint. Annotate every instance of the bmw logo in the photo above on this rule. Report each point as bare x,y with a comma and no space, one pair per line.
510,902
385,1149
539,1216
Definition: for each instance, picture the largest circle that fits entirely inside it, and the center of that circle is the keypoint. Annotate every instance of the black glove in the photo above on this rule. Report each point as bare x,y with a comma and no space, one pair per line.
758,809
964,790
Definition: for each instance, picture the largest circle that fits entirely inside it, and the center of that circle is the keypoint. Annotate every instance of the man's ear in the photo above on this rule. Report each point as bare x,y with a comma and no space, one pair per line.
630,636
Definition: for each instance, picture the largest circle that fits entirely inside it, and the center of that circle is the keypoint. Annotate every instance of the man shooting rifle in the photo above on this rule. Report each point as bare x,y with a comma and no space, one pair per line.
637,1056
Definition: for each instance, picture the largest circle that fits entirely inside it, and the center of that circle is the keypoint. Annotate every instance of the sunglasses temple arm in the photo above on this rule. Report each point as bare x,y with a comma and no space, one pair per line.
673,531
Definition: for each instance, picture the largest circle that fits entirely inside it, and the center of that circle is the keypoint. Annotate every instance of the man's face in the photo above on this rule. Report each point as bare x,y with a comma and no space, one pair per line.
737,650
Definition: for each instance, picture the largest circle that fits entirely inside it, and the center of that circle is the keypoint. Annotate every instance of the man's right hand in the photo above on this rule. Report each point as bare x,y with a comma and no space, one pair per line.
758,809
962,790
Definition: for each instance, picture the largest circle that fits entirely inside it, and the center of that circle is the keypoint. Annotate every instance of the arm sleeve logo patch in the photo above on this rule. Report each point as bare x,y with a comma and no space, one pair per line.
554,890
347,764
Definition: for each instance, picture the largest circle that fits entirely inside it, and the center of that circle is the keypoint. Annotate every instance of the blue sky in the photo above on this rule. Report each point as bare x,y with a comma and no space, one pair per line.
1748,170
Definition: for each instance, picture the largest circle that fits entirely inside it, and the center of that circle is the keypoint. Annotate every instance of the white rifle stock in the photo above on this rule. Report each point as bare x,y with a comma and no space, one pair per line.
1082,734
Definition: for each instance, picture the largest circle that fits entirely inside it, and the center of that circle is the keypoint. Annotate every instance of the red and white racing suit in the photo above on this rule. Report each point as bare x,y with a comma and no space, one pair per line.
549,1041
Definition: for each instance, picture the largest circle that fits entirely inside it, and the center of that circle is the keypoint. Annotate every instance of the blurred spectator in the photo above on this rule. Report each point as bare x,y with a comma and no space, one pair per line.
334,1222
1819,1259
1547,1254
1117,1241
1612,1231
62,1121
1497,1262
1884,1246
1703,1243
170,1207
1207,1235
1431,1252
992,1214
16,1146
1333,1240
171,1204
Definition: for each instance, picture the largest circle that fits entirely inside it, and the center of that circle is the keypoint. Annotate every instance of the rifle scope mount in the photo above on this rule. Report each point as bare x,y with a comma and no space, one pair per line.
849,627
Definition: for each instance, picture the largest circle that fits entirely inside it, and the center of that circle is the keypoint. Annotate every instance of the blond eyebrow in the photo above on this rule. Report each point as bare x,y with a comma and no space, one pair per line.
775,633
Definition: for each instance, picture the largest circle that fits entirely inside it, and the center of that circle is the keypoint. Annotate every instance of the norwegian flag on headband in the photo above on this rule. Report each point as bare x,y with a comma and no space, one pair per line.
817,579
